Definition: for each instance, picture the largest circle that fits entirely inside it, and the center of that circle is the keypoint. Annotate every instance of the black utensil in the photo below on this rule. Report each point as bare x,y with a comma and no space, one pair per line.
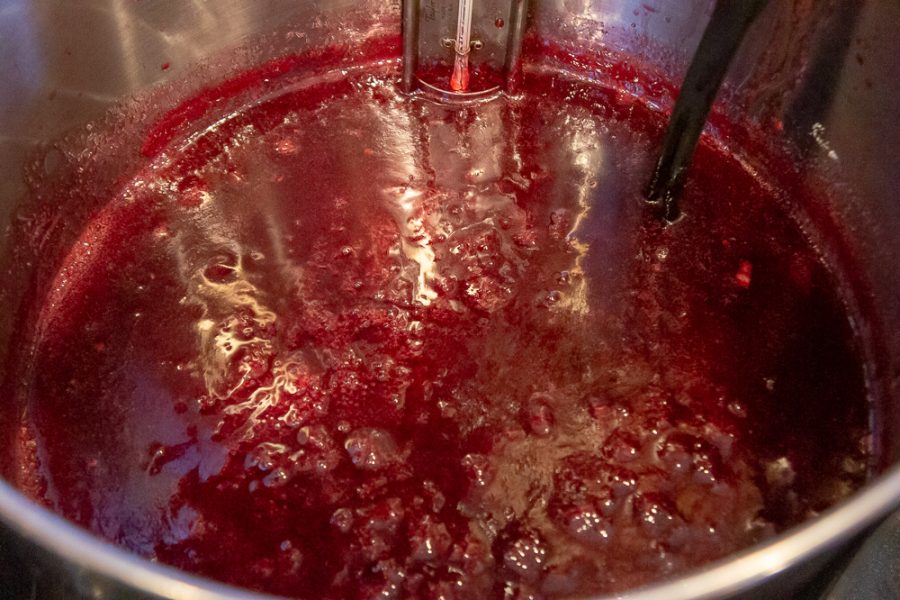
721,39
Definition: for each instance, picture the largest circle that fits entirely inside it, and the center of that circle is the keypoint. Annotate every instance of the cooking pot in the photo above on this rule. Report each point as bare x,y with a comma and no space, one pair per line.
821,76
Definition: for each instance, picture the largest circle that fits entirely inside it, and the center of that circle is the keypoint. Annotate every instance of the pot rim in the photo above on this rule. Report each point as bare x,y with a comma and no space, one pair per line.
735,573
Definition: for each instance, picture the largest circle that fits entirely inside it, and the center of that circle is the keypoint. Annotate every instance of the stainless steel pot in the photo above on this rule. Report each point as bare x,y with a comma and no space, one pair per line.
825,71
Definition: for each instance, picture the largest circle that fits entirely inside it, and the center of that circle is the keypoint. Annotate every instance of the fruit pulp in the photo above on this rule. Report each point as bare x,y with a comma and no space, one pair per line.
341,342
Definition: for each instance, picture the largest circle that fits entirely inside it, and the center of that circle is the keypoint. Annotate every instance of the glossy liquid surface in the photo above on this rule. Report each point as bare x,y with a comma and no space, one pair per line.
343,343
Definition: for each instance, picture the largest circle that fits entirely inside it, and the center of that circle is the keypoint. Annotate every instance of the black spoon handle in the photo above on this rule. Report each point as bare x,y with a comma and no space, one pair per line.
721,38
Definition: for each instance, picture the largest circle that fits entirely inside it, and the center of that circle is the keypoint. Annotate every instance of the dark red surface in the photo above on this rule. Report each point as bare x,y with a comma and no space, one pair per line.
345,343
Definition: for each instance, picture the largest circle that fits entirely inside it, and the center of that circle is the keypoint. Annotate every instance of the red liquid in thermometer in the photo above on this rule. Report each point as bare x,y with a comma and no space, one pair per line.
459,80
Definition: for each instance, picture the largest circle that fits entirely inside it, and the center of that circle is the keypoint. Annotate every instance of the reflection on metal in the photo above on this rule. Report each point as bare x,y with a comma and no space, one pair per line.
482,34
588,158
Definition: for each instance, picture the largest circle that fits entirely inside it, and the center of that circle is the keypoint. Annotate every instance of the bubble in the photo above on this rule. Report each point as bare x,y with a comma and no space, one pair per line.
263,456
477,468
342,518
560,224
622,482
675,457
549,298
540,415
526,557
386,515
737,409
374,544
386,590
221,268
291,556
589,526
372,449
437,497
780,473
286,146
276,478
621,447
654,514
157,458
704,469
516,590
429,539
318,452
487,293
294,417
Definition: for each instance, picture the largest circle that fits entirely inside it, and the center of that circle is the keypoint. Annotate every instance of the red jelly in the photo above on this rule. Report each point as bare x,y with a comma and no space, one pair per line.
342,343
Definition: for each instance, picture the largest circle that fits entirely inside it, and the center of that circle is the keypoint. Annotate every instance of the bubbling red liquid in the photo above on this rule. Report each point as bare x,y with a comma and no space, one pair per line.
344,343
